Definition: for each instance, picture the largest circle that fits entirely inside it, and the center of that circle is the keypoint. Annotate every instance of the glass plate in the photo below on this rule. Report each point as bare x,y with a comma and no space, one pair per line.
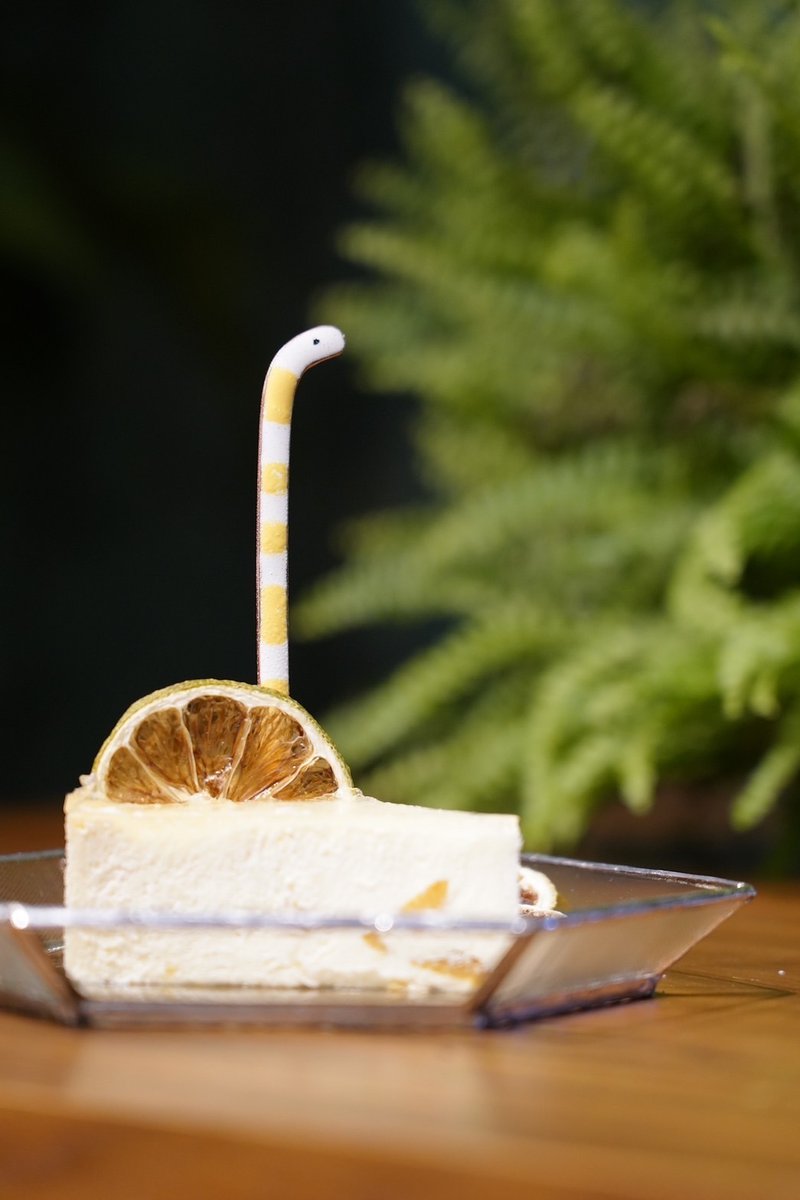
621,928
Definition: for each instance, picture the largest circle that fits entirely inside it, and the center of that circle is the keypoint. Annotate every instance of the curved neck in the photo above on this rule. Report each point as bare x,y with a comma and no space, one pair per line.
272,529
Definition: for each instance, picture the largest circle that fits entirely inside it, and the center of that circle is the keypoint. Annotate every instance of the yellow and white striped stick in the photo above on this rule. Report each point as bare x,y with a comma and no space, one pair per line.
292,360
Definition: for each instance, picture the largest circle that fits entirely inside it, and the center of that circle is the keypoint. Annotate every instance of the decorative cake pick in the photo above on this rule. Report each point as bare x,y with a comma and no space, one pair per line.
292,360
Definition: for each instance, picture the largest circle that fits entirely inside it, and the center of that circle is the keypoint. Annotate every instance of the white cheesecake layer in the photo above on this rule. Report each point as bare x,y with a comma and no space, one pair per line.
353,856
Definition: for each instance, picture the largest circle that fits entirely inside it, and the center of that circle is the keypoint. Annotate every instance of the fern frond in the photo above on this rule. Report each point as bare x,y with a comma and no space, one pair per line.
540,522
776,770
610,35
674,171
457,457
741,322
637,771
542,35
760,658
756,521
423,689
766,54
607,717
475,765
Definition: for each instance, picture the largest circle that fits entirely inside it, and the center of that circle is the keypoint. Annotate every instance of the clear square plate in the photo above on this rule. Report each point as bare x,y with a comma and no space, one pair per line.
621,928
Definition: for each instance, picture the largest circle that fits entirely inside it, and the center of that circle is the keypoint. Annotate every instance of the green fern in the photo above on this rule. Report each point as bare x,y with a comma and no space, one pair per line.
587,271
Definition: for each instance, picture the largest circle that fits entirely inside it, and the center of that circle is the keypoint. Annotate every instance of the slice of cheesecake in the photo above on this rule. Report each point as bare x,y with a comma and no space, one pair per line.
347,856
214,798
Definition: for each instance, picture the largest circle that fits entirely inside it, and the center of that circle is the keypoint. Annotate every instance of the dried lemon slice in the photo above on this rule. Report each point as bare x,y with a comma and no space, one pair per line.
225,741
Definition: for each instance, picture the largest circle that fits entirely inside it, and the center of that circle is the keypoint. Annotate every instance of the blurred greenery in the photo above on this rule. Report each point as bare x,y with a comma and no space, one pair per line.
585,272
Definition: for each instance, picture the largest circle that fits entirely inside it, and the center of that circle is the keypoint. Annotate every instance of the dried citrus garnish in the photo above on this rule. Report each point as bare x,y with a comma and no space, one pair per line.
225,741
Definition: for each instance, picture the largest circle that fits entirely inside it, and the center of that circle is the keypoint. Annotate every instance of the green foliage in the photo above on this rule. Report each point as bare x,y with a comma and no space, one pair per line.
586,269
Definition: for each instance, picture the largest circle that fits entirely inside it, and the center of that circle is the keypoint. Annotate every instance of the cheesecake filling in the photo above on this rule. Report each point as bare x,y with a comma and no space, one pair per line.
351,856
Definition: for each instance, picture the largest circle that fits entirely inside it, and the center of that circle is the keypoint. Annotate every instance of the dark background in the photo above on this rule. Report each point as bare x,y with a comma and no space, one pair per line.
173,176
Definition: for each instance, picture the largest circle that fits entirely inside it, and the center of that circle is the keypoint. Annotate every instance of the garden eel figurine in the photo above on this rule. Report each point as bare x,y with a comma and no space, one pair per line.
277,399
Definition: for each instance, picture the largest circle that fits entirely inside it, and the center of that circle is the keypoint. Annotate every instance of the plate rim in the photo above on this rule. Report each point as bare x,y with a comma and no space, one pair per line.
710,889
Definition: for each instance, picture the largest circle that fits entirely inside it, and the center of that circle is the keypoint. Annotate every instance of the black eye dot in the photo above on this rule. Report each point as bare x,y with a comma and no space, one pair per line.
316,341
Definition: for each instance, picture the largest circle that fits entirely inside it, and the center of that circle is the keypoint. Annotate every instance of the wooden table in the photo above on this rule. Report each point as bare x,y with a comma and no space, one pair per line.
693,1094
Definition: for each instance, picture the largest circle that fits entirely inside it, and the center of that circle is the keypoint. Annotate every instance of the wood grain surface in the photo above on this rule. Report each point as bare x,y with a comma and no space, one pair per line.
695,1093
